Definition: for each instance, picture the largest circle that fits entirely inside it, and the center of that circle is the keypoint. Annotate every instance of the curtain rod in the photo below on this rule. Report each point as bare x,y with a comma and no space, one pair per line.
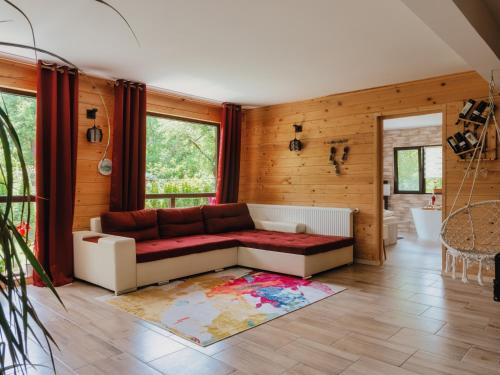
137,85
59,69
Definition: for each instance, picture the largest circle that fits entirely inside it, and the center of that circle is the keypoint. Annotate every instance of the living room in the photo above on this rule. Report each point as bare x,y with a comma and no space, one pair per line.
207,197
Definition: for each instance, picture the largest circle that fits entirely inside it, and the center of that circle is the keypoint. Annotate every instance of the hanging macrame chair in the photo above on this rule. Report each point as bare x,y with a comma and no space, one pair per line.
472,233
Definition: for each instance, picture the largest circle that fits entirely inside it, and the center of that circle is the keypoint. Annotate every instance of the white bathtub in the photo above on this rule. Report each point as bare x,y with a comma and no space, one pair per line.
427,223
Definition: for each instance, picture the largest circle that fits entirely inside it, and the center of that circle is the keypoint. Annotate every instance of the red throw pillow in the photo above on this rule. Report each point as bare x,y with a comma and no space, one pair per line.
227,218
141,225
176,222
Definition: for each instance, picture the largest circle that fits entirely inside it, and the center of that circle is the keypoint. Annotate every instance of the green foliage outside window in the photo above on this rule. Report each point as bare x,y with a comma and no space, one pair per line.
181,157
408,170
418,169
21,110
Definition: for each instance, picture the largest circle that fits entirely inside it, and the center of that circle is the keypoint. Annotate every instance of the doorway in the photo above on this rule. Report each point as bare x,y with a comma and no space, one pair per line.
412,185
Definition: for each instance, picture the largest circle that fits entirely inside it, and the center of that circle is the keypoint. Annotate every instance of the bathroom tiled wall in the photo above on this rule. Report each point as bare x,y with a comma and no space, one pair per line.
401,203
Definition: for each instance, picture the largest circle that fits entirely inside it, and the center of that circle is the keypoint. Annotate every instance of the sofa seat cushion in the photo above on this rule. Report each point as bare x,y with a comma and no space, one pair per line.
227,218
177,222
293,243
141,225
148,251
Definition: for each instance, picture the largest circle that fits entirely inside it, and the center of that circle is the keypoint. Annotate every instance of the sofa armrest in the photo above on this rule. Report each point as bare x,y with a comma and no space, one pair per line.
280,226
110,262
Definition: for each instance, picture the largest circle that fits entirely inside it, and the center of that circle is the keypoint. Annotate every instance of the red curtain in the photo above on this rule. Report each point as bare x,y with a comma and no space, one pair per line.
228,175
56,142
128,179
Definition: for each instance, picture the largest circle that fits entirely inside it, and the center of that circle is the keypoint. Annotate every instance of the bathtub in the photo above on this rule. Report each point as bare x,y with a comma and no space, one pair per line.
427,222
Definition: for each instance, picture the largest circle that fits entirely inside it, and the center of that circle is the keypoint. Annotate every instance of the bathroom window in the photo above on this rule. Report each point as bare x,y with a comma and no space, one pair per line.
418,169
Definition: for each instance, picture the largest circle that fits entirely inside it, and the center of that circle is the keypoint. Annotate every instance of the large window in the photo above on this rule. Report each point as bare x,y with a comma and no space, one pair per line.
181,162
417,170
21,109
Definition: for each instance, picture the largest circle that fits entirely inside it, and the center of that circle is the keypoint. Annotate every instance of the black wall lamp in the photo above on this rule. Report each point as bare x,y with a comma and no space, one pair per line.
94,134
296,144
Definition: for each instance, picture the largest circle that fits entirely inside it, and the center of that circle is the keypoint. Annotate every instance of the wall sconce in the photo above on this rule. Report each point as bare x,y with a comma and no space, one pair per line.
296,144
94,134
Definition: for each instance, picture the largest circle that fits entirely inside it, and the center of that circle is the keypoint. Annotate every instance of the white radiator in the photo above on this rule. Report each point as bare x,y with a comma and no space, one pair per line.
318,220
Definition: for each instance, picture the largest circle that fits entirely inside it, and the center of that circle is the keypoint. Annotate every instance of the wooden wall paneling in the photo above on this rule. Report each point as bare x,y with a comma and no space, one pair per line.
92,189
272,174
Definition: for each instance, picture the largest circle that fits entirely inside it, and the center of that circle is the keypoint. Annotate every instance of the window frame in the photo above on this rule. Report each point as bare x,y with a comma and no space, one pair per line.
173,196
21,198
421,168
18,198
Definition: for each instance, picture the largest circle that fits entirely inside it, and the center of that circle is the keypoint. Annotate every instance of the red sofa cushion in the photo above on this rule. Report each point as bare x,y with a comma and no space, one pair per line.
227,218
175,222
141,225
293,243
149,251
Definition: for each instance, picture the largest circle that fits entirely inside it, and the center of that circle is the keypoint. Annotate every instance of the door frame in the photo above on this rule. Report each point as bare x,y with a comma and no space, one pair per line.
379,163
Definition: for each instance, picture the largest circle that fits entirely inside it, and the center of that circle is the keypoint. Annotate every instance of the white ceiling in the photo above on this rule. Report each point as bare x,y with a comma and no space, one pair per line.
255,52
411,122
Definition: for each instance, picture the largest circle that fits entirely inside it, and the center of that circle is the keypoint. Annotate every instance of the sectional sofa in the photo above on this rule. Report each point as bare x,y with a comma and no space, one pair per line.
126,250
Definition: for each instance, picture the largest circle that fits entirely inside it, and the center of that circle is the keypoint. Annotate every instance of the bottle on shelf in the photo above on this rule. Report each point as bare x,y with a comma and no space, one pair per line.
465,110
452,142
462,142
471,138
478,113
486,113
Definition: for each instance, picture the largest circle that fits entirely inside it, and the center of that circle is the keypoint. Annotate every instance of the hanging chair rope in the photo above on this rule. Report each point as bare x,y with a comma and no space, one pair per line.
472,233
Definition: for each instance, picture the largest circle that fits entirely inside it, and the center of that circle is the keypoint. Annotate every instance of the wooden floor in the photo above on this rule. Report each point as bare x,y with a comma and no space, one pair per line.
397,319
413,253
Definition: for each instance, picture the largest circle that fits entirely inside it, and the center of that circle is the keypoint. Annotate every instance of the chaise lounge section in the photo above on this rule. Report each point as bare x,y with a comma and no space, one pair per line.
126,250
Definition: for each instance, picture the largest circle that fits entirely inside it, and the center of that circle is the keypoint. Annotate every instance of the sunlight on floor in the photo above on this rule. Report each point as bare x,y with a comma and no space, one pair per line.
411,252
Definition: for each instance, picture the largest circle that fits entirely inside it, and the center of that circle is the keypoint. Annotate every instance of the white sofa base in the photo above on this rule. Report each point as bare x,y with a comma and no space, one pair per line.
294,264
167,269
109,263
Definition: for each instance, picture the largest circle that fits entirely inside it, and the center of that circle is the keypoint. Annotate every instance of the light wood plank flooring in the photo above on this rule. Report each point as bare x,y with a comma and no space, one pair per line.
390,320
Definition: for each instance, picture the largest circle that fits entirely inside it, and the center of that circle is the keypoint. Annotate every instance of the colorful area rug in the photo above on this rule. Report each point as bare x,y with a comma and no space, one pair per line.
211,307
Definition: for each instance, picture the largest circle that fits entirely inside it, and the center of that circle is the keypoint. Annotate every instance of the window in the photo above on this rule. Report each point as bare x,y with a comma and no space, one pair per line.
181,162
417,170
21,109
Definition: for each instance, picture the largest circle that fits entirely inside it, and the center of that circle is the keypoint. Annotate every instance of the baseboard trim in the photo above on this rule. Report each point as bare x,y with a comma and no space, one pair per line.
367,261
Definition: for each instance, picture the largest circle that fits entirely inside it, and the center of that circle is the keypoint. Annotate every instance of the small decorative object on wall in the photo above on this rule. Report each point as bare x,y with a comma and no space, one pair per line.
94,134
333,153
296,144
346,152
104,167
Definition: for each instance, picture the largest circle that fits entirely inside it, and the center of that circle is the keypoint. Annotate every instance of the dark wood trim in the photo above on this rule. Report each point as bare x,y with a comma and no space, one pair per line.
173,196
18,92
179,195
187,119
18,199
